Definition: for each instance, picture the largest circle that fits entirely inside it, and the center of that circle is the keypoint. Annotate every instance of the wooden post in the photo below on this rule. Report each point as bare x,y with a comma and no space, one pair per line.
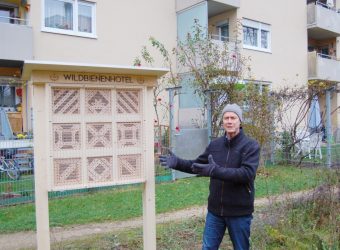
149,211
40,162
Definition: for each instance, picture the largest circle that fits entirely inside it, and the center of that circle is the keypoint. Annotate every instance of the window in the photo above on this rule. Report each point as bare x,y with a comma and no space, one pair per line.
223,32
7,96
256,35
250,36
261,87
72,17
7,13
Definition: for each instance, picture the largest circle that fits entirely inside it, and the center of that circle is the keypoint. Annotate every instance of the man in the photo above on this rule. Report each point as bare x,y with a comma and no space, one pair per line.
231,162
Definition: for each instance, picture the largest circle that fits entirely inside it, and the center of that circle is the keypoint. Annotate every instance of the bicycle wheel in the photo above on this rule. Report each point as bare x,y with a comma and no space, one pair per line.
12,170
31,164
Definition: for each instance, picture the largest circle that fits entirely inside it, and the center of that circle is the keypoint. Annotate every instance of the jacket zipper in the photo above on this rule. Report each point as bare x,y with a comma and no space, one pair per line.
248,187
223,181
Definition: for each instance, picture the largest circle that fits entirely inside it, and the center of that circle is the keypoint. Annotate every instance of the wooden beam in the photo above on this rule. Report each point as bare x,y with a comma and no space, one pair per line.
4,71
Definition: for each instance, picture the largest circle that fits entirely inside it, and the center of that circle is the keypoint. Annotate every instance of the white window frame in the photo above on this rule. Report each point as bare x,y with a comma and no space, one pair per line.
259,27
74,31
261,85
219,32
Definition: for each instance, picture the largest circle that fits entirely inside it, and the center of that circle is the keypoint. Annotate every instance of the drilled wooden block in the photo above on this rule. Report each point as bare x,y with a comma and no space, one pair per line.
67,171
129,167
129,134
98,101
66,136
128,101
98,135
65,101
99,169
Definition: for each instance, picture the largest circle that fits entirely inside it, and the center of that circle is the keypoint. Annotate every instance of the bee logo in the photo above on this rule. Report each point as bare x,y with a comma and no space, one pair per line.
140,80
54,77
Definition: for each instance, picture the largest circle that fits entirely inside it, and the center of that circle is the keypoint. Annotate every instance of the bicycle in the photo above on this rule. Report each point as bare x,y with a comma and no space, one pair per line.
9,167
24,161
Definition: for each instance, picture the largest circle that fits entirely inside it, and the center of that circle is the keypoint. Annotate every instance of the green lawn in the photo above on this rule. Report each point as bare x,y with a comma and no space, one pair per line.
121,204
24,183
335,156
283,227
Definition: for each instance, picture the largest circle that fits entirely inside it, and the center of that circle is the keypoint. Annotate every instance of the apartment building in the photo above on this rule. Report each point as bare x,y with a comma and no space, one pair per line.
289,42
74,31
275,43
323,25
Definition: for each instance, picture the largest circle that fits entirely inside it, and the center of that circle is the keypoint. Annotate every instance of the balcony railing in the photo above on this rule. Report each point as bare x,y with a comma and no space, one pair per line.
330,5
219,38
323,67
13,20
232,44
219,4
332,57
323,20
16,39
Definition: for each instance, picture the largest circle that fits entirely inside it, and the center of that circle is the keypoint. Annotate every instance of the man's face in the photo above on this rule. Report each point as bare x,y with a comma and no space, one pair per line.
231,123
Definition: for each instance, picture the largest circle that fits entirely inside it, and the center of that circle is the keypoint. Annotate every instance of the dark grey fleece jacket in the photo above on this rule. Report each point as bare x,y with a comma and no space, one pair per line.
232,183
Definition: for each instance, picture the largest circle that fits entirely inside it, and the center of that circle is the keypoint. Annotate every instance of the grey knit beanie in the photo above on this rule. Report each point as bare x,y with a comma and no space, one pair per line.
233,108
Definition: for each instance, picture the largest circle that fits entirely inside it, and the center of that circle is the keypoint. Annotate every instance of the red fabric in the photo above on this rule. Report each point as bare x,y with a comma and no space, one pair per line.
19,92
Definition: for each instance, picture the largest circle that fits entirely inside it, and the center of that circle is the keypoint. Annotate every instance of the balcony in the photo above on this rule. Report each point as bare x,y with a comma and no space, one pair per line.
323,67
222,41
322,21
215,6
16,41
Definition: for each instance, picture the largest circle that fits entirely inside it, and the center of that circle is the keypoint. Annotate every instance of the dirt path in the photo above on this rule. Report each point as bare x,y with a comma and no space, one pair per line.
28,239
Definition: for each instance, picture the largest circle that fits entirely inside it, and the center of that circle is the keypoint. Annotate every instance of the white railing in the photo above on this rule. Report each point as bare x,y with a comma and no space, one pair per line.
328,6
219,37
227,39
7,144
323,67
331,57
13,20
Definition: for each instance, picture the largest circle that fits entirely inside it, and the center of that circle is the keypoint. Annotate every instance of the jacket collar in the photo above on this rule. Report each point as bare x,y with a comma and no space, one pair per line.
235,139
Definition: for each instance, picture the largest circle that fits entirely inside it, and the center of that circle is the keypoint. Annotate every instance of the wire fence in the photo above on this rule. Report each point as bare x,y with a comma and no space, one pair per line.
308,151
17,170
17,167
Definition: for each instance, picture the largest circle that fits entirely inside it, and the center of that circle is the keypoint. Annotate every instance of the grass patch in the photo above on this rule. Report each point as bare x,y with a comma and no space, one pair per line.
307,224
26,182
303,225
174,236
122,204
315,158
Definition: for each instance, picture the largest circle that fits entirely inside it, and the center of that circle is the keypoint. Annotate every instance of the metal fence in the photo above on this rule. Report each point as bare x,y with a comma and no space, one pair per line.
17,170
17,166
305,149
315,157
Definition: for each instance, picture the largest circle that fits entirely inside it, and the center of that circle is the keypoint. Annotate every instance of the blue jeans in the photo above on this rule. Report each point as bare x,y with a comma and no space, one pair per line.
238,229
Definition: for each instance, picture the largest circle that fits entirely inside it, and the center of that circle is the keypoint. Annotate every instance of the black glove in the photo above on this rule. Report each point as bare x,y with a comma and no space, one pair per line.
168,161
205,169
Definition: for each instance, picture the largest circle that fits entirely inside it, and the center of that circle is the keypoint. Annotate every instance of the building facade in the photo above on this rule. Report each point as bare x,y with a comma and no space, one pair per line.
289,42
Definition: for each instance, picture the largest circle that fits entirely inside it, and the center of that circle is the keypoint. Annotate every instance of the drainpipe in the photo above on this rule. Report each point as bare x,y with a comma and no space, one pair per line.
208,96
172,92
329,127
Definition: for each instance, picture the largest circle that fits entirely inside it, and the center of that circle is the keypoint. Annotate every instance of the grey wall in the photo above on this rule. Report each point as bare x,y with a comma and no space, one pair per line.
16,42
188,144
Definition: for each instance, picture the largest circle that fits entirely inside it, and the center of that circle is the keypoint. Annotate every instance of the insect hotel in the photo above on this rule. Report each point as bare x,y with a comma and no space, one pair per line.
93,126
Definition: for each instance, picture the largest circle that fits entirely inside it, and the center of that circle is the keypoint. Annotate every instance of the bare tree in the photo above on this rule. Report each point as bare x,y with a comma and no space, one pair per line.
292,116
217,71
